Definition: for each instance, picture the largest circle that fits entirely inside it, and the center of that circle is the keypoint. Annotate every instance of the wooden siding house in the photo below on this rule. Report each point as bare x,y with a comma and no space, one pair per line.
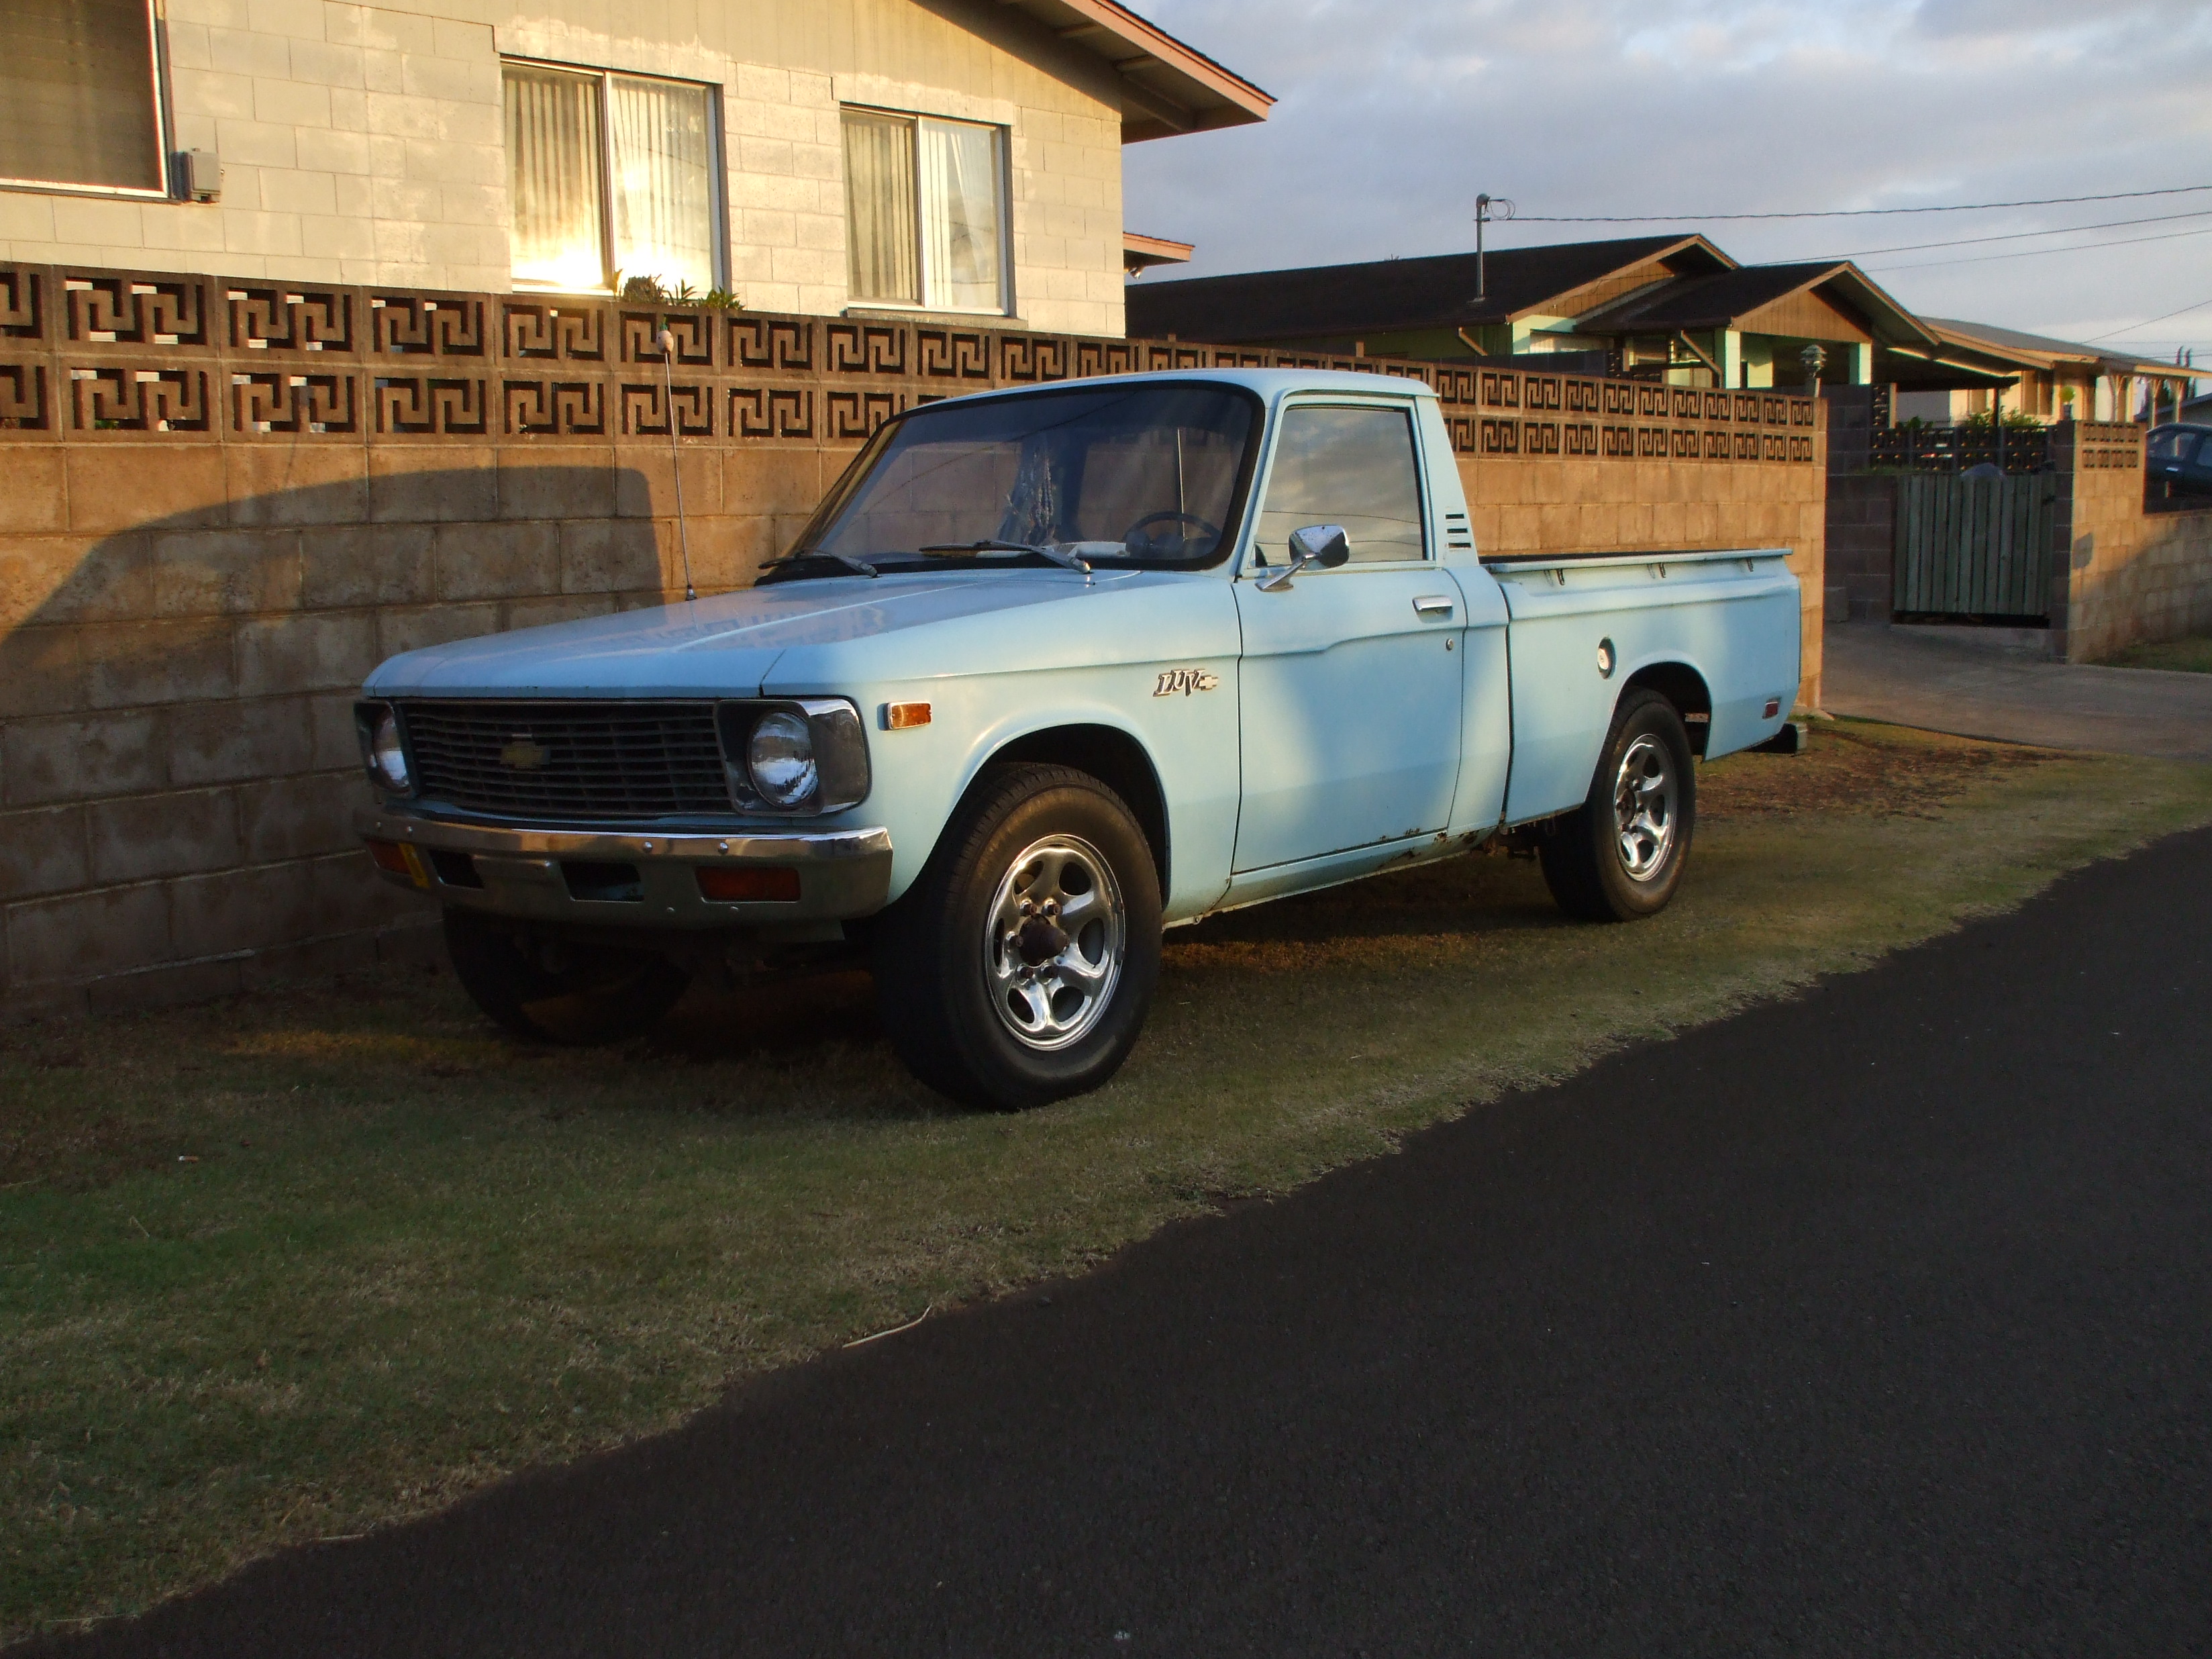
1670,307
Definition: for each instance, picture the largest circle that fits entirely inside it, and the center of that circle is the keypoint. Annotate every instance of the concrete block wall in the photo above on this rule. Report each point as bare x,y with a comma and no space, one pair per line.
366,143
358,144
1754,474
225,504
1862,545
2126,575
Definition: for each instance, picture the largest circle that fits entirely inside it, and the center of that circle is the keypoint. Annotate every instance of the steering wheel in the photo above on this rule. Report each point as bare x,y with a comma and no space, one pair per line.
1143,527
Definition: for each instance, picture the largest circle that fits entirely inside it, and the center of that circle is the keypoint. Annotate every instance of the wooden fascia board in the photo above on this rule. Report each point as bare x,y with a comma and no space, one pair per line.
2011,357
1563,303
1203,95
1849,276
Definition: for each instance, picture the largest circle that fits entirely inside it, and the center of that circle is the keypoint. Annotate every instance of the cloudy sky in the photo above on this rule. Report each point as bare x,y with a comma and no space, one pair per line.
1393,116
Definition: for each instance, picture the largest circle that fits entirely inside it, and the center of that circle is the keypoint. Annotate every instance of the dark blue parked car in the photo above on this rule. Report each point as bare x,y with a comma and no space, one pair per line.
2177,461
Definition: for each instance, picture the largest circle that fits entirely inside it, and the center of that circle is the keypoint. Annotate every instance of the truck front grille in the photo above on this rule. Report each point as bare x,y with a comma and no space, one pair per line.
580,762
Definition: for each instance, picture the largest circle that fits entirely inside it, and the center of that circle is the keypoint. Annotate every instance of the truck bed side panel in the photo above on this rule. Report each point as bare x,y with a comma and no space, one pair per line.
1732,620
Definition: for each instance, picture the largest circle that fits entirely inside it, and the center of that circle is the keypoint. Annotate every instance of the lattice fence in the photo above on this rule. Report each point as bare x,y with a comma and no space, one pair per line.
88,354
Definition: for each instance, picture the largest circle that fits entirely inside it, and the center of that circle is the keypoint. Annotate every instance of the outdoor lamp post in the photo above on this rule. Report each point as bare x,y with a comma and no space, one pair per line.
1815,358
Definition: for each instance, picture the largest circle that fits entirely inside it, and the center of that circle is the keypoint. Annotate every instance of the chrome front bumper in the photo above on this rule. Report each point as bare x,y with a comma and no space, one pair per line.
567,875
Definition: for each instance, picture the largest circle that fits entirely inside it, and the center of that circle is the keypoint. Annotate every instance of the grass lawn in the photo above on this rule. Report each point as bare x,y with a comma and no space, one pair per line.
2191,656
303,1264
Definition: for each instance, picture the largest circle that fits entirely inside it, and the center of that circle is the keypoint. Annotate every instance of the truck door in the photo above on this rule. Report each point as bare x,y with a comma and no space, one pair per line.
1349,702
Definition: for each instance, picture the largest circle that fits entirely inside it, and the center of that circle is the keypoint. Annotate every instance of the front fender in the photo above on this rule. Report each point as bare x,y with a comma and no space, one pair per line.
1187,736
1096,658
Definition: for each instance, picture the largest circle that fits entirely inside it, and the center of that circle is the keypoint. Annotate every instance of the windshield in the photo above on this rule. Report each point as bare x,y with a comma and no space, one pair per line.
1148,475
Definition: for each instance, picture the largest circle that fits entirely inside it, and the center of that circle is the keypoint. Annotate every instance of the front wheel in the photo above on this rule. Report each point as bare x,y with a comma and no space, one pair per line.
1621,856
1019,967
558,991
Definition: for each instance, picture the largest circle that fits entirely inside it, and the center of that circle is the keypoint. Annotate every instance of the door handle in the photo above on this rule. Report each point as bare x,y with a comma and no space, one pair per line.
1433,605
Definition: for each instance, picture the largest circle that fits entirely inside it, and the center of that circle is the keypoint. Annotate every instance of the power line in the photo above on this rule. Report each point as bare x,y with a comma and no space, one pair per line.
2032,252
2147,321
2021,235
1842,213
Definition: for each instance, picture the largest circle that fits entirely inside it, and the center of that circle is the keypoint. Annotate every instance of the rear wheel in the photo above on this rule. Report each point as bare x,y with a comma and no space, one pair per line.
1621,856
555,990
1020,966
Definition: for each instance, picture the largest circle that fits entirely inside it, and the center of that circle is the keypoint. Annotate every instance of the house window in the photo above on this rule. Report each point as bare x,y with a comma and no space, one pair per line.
925,212
611,178
80,97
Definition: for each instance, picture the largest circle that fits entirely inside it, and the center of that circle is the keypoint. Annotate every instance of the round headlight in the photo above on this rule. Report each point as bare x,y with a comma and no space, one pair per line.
388,759
780,758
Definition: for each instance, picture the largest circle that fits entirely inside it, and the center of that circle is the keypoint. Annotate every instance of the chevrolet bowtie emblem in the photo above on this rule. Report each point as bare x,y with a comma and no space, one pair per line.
524,754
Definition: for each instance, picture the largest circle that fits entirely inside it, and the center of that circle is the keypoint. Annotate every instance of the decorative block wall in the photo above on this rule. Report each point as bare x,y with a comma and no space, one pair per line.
2125,574
226,500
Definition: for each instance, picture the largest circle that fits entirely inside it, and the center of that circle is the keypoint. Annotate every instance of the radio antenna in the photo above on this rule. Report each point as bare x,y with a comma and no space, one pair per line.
667,344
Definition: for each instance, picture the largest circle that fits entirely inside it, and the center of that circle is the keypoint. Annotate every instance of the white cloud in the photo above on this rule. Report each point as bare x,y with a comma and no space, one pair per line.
1393,116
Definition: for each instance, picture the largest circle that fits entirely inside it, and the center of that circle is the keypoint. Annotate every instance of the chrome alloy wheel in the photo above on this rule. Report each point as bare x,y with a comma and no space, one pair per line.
1643,807
1053,944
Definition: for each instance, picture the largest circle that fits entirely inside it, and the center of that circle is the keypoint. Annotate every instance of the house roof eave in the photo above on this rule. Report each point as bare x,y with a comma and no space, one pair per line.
1549,307
2052,355
1141,252
1890,323
1167,87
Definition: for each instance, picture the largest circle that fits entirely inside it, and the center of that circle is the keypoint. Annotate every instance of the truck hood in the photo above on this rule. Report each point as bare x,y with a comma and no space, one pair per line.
726,646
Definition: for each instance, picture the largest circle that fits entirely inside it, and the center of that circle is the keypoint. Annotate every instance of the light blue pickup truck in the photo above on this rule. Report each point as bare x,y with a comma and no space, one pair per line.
1048,671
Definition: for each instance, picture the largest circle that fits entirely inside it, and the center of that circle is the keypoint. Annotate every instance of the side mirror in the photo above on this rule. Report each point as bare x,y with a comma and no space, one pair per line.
1323,544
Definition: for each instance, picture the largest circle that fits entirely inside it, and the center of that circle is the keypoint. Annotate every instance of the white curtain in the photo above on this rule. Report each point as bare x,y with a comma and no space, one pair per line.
880,216
960,253
664,183
553,152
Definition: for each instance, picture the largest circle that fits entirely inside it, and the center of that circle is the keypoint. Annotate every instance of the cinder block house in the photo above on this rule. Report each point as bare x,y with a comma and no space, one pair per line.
812,157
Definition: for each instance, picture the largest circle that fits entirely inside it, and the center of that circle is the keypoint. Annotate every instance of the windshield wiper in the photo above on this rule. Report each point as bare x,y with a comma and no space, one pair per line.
857,567
1065,560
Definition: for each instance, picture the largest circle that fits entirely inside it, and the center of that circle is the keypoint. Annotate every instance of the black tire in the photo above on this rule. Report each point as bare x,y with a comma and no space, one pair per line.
584,995
949,957
1587,861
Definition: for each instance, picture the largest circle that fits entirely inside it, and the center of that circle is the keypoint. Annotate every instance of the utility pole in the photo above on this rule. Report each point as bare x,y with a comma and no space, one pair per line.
1485,207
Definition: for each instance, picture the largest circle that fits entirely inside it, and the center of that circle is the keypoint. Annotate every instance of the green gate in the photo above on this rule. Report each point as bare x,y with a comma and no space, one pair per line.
1975,547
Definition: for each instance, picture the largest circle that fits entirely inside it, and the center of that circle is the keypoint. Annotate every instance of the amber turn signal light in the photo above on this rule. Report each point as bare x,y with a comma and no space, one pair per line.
903,716
400,860
748,883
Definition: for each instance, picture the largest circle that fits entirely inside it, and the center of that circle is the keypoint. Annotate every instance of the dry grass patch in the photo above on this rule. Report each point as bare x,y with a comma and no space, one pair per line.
310,1263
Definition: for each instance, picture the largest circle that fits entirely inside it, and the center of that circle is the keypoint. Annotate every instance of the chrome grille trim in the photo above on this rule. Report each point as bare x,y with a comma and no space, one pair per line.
605,760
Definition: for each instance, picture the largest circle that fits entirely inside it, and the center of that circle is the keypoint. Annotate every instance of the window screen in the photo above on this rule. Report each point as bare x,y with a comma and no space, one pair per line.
77,95
924,211
1350,466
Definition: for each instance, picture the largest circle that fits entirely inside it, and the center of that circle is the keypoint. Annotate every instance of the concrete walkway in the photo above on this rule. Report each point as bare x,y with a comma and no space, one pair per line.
1996,683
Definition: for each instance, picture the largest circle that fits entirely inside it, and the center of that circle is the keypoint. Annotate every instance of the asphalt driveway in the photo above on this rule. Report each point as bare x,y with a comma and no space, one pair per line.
1877,1321
1997,682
